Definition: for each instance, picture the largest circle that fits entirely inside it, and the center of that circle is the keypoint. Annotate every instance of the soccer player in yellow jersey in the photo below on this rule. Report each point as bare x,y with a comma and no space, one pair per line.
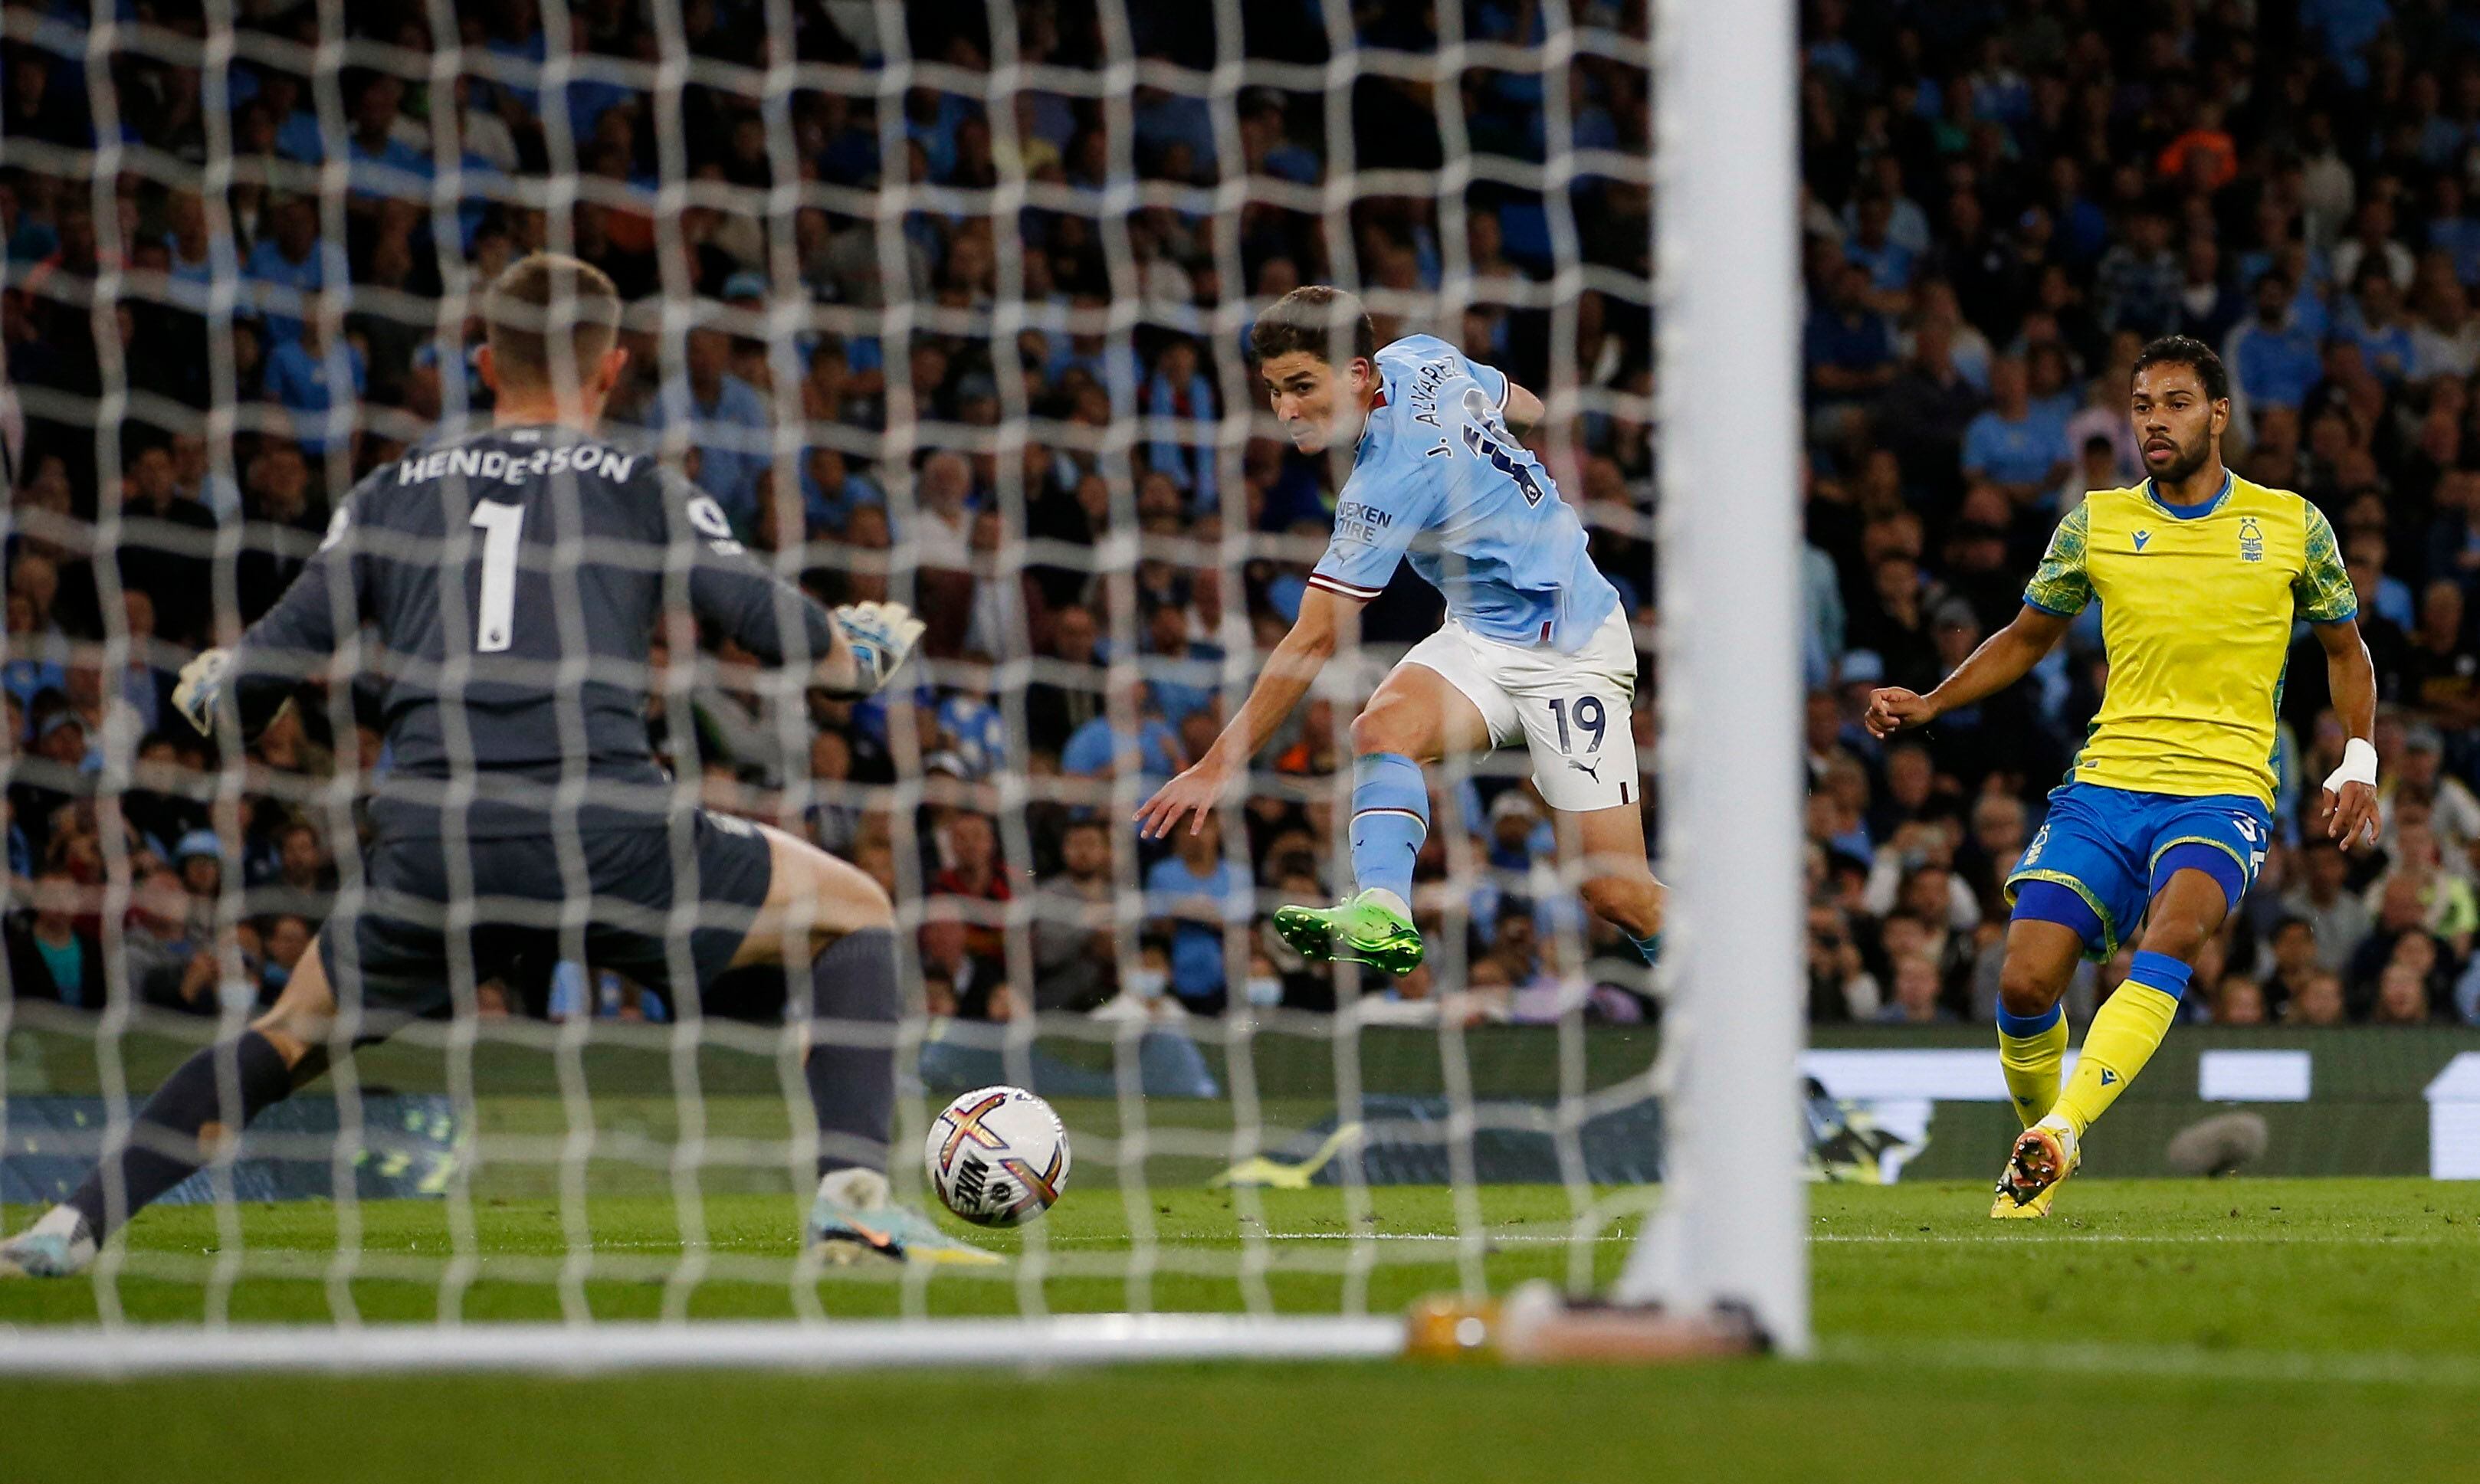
2166,816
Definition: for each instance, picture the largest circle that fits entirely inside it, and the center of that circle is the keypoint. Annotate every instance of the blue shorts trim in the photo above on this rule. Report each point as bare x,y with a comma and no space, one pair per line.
2040,900
2111,846
2210,857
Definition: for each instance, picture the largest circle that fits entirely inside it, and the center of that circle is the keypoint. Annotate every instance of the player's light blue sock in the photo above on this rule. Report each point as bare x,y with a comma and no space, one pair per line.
1391,818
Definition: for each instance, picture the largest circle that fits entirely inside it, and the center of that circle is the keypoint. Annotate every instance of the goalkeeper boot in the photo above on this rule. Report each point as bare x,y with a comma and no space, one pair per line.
56,1246
853,1224
1361,929
2044,1156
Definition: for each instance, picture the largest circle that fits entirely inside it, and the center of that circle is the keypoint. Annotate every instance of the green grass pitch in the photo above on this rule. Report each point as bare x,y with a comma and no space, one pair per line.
2246,1330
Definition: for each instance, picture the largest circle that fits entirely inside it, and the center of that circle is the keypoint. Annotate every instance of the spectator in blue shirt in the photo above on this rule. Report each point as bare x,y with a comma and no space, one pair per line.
1179,393
382,164
2453,231
2346,27
2209,304
34,652
289,264
2273,362
1889,263
298,135
2082,226
2011,446
930,122
830,490
2375,323
319,381
1174,121
970,726
2136,284
1184,671
1124,735
1850,347
725,419
1264,138
1191,893
198,256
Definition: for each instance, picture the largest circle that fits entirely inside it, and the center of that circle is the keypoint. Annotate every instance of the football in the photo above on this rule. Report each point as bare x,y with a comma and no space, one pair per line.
997,1156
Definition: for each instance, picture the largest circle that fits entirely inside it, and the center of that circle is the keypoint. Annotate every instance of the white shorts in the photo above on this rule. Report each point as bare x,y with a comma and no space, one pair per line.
1575,711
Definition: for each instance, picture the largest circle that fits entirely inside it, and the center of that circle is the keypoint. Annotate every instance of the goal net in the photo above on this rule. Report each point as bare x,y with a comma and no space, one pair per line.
947,304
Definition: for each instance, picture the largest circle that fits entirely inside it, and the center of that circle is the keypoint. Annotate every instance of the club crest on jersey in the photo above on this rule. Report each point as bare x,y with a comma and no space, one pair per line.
2250,539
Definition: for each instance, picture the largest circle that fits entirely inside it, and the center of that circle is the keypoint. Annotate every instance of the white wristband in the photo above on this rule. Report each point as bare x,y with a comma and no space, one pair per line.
2358,766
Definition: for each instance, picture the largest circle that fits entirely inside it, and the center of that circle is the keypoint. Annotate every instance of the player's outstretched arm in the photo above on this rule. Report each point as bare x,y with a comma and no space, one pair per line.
1289,673
2351,791
290,643
852,650
2003,658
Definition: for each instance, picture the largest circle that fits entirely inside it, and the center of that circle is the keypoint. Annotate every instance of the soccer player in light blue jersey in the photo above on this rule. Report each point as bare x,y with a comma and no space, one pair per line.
1536,643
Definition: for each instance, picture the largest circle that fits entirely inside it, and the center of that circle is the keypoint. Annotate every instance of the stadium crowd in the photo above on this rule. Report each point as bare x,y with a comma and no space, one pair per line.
1095,595
1996,216
2000,204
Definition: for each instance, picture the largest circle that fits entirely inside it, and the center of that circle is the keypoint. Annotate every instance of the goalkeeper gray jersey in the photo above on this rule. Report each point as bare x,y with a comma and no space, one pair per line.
502,590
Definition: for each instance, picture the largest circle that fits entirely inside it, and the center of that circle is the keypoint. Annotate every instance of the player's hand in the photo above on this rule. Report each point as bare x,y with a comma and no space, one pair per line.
881,635
2351,814
2351,795
1892,709
201,689
1198,790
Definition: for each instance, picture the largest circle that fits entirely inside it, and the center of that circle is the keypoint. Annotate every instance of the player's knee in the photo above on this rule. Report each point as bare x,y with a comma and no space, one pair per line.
2025,988
1631,901
1384,728
296,1038
2176,938
850,900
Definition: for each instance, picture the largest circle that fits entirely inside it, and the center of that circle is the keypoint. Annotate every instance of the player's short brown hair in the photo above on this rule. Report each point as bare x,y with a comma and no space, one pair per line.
541,298
1306,319
2194,354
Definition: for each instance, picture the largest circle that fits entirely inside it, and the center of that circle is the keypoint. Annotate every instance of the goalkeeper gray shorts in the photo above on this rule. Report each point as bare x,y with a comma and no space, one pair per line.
422,940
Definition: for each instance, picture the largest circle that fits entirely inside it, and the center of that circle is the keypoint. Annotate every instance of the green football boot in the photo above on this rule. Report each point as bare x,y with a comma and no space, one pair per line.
1361,928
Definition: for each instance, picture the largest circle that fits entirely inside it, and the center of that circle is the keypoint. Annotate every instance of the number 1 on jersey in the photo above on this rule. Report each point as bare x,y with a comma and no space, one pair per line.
500,524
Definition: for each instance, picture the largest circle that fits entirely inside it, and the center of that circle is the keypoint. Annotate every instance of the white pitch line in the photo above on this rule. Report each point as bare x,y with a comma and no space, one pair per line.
2460,1370
1851,1239
1546,1238
2196,1238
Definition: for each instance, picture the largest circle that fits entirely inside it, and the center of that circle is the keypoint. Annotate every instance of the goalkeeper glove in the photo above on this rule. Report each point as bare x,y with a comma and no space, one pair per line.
201,689
880,635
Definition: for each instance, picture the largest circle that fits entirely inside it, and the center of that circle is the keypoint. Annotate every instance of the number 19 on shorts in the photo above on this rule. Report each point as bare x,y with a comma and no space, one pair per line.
1587,714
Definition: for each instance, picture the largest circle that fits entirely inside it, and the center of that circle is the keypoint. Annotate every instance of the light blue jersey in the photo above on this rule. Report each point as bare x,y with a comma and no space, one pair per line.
1438,479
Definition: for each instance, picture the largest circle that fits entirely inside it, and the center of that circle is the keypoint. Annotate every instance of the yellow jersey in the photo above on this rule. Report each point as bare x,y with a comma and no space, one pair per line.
2196,609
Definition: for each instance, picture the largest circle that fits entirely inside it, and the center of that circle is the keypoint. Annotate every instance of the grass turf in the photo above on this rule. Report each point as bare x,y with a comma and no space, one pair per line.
2263,1330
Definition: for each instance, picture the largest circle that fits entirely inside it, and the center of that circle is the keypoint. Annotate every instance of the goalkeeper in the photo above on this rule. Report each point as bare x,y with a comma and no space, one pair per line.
2166,815
510,582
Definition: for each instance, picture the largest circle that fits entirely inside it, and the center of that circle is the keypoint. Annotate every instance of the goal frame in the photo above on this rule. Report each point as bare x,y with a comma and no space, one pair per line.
1730,1232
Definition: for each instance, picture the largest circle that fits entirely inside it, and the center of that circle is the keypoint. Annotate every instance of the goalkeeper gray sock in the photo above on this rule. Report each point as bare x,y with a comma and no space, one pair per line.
851,1064
165,1146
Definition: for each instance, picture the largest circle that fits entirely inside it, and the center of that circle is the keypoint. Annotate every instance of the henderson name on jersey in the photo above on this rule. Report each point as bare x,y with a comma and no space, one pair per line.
503,590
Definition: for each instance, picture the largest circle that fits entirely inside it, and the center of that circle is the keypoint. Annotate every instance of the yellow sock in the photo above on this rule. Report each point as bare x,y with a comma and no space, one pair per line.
2125,1033
2029,1051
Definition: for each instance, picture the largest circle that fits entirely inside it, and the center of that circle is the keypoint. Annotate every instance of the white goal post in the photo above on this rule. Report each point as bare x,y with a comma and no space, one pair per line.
1733,1225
